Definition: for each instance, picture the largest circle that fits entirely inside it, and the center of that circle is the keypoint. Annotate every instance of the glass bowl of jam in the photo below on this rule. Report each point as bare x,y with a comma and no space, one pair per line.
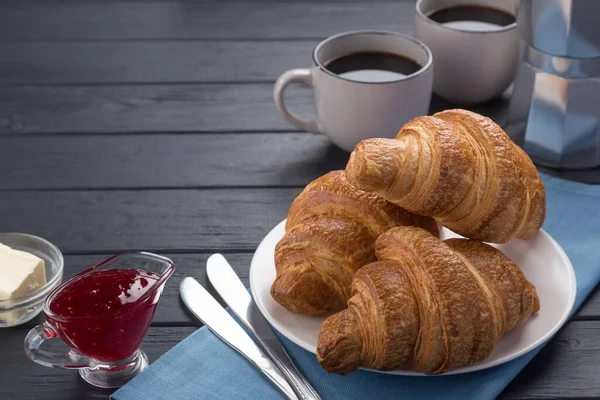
103,314
24,307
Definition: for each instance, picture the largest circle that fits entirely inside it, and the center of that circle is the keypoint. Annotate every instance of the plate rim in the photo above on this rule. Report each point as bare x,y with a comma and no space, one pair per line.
471,368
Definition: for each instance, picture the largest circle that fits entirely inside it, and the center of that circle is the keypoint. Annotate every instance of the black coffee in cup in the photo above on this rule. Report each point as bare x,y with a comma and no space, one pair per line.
472,17
372,66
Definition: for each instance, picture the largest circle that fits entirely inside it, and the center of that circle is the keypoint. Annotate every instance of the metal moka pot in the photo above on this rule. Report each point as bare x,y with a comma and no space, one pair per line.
554,112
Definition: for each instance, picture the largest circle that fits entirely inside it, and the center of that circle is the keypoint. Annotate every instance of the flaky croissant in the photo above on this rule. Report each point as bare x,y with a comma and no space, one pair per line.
330,233
460,168
427,306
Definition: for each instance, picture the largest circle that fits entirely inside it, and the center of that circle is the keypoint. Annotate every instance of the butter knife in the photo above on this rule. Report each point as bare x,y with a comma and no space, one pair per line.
232,290
214,316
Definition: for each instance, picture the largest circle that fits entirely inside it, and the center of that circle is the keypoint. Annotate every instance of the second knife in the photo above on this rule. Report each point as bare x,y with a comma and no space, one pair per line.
232,290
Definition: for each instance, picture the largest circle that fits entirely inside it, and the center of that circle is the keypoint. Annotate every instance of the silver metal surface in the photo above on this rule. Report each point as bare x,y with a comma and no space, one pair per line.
554,113
567,28
210,312
232,290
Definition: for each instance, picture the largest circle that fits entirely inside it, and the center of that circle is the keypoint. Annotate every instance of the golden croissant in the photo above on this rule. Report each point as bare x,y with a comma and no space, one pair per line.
458,167
427,306
330,233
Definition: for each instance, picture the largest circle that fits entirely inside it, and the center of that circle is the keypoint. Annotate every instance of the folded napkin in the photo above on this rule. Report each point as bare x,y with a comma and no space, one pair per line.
203,367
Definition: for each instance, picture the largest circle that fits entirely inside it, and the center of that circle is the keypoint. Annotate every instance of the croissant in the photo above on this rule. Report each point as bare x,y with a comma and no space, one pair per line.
330,233
426,305
460,168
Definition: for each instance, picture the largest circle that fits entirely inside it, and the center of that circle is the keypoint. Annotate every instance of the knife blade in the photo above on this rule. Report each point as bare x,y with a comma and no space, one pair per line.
217,319
232,290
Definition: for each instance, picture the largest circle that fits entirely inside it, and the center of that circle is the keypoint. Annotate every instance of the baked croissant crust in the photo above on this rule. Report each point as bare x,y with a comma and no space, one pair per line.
330,233
460,168
427,306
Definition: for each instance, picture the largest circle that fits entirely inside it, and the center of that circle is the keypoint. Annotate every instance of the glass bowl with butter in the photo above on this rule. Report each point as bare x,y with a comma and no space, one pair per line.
30,268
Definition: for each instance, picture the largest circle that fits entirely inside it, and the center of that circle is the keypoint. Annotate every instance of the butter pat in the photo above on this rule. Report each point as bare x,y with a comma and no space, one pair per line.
20,273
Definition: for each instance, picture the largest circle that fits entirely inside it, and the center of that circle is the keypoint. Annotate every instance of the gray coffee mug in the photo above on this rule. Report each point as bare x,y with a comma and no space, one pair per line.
471,66
349,111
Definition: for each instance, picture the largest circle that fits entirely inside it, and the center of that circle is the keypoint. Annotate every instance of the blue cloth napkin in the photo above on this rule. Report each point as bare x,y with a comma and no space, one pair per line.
203,367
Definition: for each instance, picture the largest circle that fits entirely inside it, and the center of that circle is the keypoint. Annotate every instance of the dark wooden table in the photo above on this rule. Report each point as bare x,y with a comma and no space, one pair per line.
151,125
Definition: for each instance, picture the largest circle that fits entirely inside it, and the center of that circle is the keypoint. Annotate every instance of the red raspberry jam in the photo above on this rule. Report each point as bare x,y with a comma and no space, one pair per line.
104,315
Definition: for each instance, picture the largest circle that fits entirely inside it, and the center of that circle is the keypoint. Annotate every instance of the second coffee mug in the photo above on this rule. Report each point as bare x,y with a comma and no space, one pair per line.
365,84
475,44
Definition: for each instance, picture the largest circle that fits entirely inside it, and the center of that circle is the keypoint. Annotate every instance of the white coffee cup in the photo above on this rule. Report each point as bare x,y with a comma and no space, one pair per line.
348,111
473,63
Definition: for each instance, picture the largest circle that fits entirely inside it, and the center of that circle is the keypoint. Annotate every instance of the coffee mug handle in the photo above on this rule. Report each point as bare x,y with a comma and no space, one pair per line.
33,344
303,75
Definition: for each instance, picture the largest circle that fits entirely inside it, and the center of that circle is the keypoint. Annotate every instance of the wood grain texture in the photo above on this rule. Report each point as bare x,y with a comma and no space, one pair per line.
166,108
166,161
590,309
146,108
566,368
196,20
154,220
150,61
21,378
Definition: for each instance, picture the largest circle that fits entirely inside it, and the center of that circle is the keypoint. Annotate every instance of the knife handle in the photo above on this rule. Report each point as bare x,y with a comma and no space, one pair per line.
270,371
232,290
301,386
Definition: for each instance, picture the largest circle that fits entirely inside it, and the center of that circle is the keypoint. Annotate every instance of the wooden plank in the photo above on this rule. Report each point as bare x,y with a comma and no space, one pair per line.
163,161
150,61
591,175
198,20
590,309
22,379
170,310
566,368
146,108
177,161
165,108
103,222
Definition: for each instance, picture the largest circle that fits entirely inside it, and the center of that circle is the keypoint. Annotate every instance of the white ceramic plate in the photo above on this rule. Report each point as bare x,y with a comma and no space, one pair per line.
542,260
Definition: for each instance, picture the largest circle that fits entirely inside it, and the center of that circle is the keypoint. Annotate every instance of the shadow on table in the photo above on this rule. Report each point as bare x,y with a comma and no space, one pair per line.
496,109
328,158
535,375
86,391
